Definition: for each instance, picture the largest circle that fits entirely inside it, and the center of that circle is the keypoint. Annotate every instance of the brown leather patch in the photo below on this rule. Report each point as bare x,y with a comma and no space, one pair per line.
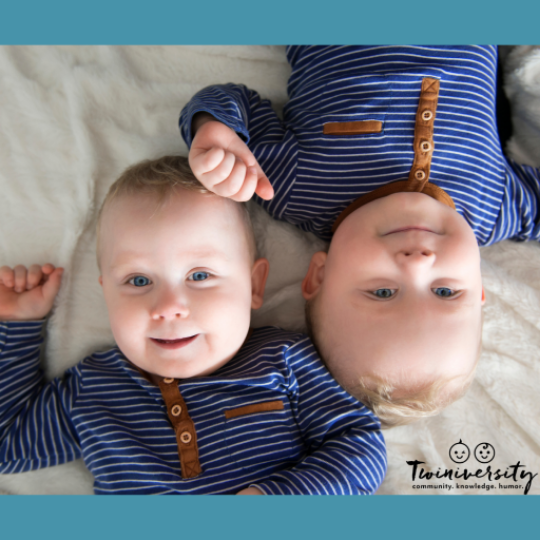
255,408
352,128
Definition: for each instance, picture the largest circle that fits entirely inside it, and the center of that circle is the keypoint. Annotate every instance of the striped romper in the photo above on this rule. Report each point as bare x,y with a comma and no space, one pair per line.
272,417
349,129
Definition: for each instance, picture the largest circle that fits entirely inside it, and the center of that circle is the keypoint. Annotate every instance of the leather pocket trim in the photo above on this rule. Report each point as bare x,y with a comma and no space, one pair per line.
352,128
255,408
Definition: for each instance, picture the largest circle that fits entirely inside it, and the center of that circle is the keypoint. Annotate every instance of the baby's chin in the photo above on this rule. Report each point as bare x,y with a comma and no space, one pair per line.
177,372
170,367
183,367
410,208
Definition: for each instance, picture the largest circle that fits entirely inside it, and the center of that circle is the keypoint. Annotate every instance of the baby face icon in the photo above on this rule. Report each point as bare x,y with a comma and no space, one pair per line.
484,452
459,452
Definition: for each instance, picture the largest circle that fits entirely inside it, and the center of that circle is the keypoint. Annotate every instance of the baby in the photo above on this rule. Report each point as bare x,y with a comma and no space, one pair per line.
392,153
190,401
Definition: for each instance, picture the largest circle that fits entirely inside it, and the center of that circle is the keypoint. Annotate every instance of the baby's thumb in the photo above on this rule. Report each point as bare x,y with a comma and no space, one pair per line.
52,285
264,188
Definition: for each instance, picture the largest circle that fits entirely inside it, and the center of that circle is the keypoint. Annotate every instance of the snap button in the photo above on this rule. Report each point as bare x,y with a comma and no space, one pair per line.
168,380
185,437
427,115
176,410
419,174
425,146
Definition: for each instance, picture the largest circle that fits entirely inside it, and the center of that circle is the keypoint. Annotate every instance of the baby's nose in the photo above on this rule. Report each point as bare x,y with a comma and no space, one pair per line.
417,252
416,256
170,306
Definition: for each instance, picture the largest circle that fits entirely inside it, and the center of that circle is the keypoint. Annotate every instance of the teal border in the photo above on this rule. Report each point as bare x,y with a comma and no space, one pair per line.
215,22
272,518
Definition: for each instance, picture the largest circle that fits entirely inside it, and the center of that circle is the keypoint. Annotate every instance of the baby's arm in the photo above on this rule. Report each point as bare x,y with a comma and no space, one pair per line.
35,425
519,215
346,449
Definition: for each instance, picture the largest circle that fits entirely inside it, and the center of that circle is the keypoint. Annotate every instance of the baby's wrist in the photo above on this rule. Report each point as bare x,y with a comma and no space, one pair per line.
199,119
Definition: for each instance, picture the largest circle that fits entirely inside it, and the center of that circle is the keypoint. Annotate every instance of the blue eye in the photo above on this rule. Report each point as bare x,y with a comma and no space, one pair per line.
444,292
199,276
384,293
139,281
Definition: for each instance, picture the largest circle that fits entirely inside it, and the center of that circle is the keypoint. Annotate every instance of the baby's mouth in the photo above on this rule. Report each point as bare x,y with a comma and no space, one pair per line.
406,229
174,343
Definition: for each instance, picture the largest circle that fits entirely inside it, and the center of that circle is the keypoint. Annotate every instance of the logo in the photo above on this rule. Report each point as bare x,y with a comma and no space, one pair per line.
510,478
459,452
484,452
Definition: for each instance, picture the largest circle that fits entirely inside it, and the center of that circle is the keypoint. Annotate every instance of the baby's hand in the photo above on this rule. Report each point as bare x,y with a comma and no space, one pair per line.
223,163
28,294
250,491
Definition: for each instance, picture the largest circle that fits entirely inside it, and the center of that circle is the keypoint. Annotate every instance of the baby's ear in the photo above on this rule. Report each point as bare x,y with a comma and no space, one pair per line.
259,273
315,275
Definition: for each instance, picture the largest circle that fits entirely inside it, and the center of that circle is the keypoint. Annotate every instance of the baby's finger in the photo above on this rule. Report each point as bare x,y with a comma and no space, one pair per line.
233,184
220,173
20,277
52,285
203,161
47,268
264,188
34,276
248,188
7,276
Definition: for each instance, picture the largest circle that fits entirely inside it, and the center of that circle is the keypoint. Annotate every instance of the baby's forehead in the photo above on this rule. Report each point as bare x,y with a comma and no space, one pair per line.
180,217
409,360
129,201
156,208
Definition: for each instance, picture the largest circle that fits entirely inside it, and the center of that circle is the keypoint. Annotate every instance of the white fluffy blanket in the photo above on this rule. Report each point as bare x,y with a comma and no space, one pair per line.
72,118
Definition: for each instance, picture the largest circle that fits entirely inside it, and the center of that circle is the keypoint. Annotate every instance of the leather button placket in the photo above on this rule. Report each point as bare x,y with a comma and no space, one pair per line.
186,435
423,135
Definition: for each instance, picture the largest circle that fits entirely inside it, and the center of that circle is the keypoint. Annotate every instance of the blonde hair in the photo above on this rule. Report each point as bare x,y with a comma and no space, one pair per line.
377,393
162,177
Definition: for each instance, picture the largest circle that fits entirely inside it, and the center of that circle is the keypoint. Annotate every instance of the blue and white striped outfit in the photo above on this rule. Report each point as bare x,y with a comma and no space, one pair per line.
106,411
315,176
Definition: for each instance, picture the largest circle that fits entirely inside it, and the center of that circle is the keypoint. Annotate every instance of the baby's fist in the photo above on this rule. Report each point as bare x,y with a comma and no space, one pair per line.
28,294
223,163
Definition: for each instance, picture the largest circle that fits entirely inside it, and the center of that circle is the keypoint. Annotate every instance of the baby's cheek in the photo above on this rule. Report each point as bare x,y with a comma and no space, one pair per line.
232,302
231,320
120,317
126,325
342,359
345,373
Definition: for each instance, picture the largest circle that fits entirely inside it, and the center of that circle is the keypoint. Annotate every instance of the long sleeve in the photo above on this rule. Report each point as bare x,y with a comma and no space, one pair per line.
346,449
35,426
519,218
274,146
232,104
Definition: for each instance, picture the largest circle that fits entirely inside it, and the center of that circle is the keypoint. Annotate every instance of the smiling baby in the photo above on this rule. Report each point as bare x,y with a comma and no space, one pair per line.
190,400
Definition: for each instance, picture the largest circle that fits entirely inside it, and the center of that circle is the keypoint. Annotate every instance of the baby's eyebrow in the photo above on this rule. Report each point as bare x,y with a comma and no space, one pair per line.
134,258
204,253
128,258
